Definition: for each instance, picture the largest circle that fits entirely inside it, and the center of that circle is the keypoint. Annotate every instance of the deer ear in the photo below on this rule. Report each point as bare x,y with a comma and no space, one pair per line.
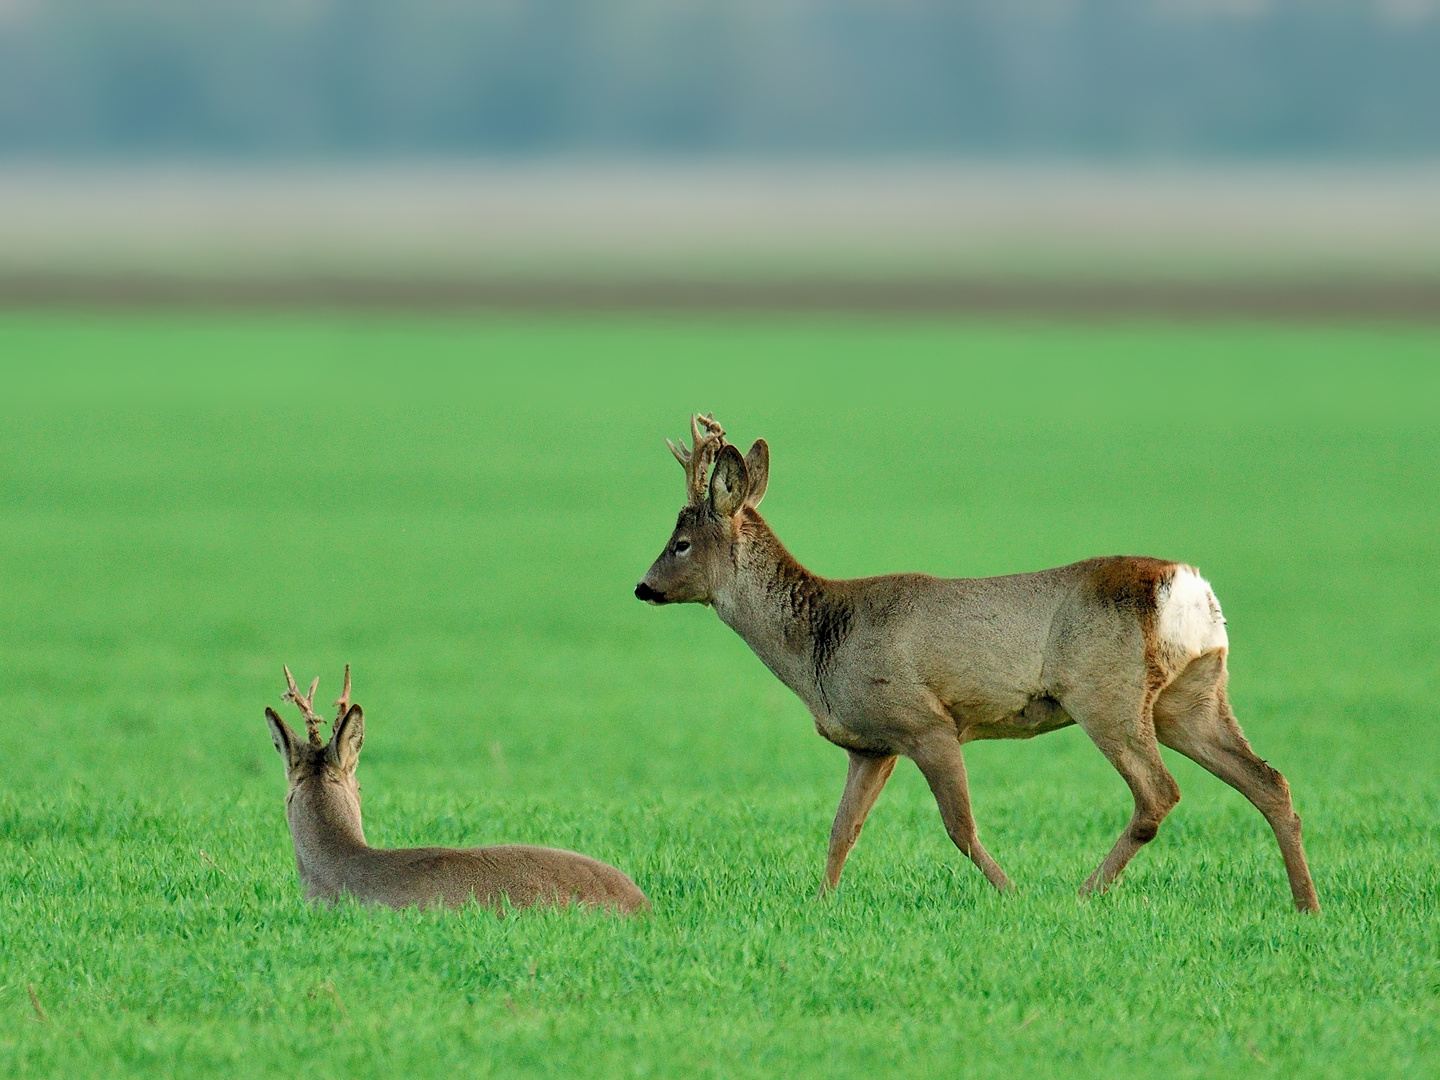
757,467
729,483
281,736
344,749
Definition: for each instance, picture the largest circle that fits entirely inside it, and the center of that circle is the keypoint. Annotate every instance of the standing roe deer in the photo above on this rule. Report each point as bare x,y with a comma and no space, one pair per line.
1131,649
323,809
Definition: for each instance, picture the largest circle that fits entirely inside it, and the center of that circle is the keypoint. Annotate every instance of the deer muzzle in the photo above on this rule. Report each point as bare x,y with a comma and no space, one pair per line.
649,595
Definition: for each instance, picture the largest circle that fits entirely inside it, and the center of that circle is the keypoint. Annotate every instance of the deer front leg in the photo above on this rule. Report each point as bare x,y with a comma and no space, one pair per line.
943,766
863,783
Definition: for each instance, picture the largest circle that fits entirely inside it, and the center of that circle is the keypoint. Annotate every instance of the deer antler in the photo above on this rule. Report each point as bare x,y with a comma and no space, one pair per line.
312,722
697,461
342,703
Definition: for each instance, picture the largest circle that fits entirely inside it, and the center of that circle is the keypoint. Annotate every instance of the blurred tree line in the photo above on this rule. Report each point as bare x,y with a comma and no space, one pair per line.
1082,77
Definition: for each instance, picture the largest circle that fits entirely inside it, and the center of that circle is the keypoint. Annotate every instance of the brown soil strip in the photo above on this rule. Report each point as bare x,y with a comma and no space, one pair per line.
1405,300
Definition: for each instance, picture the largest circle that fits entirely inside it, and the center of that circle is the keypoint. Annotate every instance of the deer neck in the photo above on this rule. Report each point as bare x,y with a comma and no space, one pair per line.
328,836
788,616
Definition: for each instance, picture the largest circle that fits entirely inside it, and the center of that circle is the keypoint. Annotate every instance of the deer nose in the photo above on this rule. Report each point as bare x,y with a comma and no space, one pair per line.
645,592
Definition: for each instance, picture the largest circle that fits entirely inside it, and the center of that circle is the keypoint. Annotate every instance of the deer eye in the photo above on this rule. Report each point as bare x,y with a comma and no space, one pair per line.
682,546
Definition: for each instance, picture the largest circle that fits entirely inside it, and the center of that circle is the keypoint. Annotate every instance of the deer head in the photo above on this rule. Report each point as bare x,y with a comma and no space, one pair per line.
698,556
322,771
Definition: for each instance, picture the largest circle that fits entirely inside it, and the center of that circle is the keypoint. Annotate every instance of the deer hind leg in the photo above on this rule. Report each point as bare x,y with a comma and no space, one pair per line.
1193,716
943,766
863,784
1125,733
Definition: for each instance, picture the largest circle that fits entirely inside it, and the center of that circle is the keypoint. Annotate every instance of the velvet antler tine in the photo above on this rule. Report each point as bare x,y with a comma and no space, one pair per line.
708,437
312,722
342,703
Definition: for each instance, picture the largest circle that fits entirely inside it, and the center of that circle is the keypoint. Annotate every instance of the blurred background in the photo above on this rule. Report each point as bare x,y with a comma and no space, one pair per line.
1242,155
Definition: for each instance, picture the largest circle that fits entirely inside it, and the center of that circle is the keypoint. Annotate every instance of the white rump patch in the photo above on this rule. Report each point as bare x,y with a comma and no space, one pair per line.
1188,616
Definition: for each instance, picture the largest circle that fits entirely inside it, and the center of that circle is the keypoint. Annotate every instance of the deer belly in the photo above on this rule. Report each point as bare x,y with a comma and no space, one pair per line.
1041,713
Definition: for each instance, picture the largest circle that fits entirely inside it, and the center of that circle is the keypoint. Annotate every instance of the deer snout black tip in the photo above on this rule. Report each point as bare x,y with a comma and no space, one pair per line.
649,595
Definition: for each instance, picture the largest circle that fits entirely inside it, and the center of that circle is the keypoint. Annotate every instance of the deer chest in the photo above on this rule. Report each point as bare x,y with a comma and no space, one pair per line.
857,737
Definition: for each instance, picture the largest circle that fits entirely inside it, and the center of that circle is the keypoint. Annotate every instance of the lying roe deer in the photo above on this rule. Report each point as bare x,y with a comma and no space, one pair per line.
323,809
1131,649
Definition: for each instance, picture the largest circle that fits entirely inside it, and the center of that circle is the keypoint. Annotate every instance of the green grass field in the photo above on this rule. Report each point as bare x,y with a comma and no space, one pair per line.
460,509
